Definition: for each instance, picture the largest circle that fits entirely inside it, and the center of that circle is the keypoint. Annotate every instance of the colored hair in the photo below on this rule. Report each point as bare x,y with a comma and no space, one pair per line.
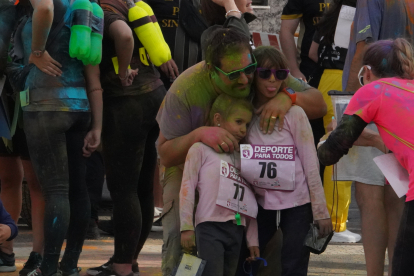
213,13
327,25
391,58
225,105
222,42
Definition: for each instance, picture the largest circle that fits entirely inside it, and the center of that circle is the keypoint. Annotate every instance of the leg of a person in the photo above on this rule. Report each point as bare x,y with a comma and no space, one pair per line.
171,248
46,140
266,224
80,205
295,223
11,176
394,208
370,200
95,173
232,247
157,187
210,247
38,206
127,122
338,200
145,188
402,263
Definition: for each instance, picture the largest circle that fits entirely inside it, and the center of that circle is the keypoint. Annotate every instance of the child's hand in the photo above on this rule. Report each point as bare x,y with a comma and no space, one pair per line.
188,239
254,253
325,227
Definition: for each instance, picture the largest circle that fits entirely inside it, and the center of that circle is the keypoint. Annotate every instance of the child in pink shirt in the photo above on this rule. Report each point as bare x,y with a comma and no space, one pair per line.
284,170
222,195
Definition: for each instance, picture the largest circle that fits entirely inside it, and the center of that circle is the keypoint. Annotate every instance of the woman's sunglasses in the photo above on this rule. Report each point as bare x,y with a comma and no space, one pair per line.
249,69
361,75
280,74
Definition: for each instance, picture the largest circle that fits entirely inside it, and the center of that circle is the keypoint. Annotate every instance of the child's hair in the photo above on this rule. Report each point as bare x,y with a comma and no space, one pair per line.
270,57
391,58
214,14
223,42
225,104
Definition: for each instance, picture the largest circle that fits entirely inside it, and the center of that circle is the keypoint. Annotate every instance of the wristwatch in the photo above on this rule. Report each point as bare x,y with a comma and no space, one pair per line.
38,53
291,93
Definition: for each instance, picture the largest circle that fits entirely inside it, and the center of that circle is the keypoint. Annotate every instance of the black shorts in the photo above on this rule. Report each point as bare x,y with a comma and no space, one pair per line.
19,146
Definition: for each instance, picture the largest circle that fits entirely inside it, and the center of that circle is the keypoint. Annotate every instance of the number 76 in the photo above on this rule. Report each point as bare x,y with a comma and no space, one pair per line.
271,169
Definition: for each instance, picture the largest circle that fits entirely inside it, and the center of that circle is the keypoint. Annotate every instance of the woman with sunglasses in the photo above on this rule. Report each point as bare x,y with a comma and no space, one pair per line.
292,209
387,99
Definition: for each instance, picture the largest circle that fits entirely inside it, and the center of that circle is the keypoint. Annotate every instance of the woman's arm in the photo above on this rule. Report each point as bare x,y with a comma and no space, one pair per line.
313,51
121,34
93,87
43,11
341,139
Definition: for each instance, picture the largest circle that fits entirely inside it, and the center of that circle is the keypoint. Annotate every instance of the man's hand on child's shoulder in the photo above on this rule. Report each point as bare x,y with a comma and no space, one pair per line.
5,232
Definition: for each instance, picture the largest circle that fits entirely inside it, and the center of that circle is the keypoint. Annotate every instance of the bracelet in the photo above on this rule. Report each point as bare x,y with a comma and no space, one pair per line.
227,13
123,78
96,89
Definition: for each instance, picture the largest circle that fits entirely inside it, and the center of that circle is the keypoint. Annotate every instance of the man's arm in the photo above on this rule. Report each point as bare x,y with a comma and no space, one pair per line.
312,103
352,84
173,152
287,41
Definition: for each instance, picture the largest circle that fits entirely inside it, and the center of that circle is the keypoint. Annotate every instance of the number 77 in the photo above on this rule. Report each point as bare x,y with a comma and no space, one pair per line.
236,193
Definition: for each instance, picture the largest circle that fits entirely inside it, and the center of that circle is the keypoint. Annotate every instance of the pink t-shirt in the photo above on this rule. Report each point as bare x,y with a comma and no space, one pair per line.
308,185
201,172
392,108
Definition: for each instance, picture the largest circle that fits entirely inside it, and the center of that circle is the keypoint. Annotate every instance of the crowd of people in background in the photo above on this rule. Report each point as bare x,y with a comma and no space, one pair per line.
189,118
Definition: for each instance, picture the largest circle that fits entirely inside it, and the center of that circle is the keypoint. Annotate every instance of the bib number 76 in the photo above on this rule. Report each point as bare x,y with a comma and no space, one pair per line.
269,169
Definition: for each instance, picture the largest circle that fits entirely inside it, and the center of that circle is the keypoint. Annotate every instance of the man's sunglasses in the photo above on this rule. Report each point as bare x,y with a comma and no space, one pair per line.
280,74
361,75
236,74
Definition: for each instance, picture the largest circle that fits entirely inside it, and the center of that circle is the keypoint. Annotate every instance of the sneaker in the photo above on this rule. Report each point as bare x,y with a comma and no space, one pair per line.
110,272
73,272
37,272
108,266
96,270
7,262
34,261
93,230
157,226
346,237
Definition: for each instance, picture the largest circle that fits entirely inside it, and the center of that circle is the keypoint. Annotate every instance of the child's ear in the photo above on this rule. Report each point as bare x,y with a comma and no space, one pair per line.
217,119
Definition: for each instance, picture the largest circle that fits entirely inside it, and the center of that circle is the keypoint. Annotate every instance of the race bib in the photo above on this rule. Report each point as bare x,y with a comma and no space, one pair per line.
269,167
234,193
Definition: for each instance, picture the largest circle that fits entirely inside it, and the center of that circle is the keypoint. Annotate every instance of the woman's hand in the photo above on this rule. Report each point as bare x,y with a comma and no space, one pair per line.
254,253
129,77
188,240
170,69
46,64
91,142
325,227
273,109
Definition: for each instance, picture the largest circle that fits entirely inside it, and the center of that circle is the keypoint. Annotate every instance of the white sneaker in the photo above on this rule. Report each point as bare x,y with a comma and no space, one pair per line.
346,237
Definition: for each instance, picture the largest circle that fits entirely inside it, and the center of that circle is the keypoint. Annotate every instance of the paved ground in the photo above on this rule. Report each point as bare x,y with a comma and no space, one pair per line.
338,259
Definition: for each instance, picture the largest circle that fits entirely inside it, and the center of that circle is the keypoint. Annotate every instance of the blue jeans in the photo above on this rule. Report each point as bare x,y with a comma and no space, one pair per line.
55,141
295,223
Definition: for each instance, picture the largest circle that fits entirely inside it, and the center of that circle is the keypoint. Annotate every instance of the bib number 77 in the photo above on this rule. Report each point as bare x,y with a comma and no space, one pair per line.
236,193
270,168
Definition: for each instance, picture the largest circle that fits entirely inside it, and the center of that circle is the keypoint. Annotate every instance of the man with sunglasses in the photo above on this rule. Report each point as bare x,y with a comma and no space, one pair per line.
228,68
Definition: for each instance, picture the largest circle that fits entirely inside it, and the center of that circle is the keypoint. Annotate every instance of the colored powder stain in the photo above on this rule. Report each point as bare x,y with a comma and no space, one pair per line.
396,83
54,220
178,116
387,94
378,86
384,62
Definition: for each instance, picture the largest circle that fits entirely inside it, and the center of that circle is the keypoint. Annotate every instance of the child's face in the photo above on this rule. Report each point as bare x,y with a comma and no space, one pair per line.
267,88
237,122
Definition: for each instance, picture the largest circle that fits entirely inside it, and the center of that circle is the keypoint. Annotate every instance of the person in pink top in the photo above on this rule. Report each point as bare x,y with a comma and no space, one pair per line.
222,195
298,198
387,99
